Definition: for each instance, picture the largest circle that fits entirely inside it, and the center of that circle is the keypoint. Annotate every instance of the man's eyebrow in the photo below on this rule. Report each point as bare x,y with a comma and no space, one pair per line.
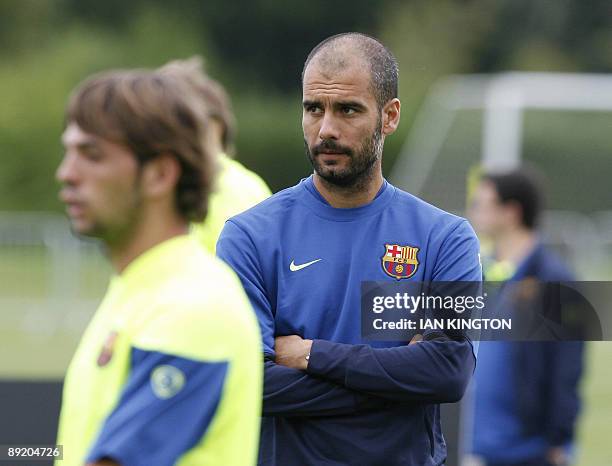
308,103
350,103
82,145
343,103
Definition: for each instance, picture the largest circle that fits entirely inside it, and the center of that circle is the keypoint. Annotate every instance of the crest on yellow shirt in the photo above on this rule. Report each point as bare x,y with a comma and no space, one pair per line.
106,354
167,381
400,261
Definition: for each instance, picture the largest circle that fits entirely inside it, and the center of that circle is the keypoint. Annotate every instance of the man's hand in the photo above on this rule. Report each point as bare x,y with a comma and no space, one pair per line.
291,351
418,338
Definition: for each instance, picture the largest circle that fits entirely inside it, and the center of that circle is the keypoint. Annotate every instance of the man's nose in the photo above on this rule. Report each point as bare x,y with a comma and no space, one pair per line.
329,127
67,171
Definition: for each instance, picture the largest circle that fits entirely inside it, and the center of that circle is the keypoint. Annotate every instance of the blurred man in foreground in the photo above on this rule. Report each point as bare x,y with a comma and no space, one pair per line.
168,370
526,394
236,188
330,396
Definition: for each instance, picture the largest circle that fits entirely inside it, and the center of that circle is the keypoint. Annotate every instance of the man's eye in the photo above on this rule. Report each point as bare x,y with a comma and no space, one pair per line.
92,155
313,109
348,110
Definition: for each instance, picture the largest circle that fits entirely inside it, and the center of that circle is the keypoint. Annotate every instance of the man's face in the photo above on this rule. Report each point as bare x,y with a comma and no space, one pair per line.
486,212
99,185
341,123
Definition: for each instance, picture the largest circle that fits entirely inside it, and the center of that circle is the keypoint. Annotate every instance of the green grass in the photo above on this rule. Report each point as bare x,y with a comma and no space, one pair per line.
594,445
34,273
45,304
39,338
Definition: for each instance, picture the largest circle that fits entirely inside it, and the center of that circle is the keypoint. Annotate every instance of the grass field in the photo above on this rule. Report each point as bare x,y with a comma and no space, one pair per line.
45,305
40,327
594,445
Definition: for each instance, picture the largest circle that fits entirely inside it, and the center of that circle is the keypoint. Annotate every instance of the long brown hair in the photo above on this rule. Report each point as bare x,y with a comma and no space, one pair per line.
152,114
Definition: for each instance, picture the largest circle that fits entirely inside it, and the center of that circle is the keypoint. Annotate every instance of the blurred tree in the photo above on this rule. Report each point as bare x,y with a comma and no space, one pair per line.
266,40
570,35
256,49
34,86
24,24
430,40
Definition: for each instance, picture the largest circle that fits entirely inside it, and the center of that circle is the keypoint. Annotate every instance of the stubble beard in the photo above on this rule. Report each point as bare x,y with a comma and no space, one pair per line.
360,171
113,234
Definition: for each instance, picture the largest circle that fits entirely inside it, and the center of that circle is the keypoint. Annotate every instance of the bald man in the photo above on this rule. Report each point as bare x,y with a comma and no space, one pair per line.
330,397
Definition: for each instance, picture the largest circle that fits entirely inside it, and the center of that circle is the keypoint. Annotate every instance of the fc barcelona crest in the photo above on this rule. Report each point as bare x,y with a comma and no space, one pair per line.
106,354
400,261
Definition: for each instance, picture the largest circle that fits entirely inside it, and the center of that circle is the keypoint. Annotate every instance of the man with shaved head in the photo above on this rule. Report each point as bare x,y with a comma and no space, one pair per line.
377,71
332,397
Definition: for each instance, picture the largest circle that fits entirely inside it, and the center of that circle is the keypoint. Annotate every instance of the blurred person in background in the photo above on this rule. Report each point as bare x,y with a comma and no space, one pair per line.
525,398
169,369
236,187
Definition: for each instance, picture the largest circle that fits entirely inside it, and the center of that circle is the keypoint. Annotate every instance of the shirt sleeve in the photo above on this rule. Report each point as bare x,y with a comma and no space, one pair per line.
237,249
287,392
566,361
436,370
459,256
290,392
164,410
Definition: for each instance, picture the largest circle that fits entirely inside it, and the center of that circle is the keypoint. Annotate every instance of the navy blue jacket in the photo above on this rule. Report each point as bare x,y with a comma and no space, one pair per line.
550,371
526,393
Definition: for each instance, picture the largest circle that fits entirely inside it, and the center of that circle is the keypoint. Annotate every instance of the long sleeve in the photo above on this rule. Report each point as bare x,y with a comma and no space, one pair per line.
436,370
287,392
566,359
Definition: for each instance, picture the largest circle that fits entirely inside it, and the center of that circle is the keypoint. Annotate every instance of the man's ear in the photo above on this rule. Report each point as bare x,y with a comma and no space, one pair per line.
390,116
160,176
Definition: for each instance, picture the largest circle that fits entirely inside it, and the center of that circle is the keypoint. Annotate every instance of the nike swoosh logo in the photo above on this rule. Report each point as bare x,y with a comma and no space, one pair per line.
295,268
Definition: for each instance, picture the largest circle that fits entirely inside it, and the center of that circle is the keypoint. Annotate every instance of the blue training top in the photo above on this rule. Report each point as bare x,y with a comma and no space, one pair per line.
302,262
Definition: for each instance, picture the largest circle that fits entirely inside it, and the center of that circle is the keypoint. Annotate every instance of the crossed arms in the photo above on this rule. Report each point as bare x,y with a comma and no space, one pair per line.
342,378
